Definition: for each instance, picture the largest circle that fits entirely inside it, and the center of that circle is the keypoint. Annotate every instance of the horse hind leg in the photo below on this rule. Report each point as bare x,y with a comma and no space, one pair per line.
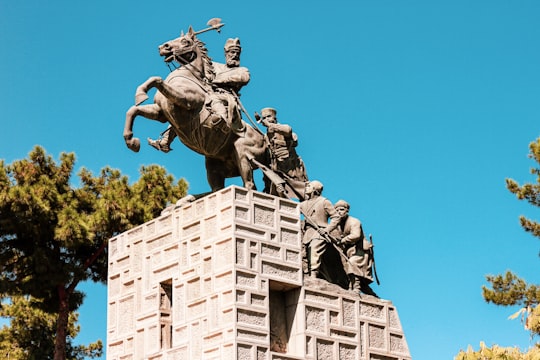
215,174
246,171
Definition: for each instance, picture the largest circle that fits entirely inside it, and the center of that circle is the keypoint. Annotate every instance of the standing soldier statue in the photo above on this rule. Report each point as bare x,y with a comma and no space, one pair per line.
317,211
282,142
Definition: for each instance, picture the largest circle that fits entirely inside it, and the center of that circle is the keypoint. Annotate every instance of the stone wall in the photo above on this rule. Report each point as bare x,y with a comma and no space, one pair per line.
221,278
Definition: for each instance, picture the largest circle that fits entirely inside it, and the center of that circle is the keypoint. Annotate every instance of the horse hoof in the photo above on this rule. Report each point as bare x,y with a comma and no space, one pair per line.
140,98
134,144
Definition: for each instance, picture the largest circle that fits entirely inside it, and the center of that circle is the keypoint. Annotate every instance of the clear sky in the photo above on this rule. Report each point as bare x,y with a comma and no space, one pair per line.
414,112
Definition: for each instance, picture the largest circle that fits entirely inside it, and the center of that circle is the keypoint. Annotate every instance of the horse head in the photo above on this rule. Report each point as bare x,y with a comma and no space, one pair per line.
188,49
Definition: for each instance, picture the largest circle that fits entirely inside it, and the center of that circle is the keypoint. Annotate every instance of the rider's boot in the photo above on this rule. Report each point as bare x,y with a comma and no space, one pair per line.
163,143
160,145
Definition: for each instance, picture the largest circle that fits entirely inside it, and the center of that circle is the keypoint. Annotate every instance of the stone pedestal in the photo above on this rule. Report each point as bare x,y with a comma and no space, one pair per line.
221,278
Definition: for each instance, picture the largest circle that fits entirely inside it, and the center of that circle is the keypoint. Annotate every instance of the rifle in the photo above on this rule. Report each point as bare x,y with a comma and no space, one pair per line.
331,240
292,191
372,255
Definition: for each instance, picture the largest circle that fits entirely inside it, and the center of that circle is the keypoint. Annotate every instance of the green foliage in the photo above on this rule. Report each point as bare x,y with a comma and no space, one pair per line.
53,236
529,192
509,289
498,353
30,334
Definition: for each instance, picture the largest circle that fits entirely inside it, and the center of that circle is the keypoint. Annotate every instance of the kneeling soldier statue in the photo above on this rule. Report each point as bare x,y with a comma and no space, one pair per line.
358,249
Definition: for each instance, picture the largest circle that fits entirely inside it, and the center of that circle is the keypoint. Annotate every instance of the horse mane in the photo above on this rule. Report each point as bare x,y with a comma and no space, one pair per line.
209,72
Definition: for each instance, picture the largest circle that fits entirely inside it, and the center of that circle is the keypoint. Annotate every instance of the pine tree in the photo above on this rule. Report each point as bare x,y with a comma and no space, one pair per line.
31,331
54,236
509,289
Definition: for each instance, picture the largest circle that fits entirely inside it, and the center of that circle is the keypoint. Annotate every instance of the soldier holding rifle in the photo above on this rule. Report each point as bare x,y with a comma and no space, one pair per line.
317,211
282,141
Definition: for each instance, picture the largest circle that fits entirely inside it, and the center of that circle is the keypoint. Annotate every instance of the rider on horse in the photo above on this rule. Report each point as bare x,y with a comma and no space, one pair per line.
230,78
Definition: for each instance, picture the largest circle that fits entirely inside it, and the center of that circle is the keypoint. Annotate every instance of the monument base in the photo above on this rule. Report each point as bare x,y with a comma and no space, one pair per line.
221,278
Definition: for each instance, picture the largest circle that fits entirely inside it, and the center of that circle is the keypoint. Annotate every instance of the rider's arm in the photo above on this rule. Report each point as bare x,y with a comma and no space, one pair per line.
235,76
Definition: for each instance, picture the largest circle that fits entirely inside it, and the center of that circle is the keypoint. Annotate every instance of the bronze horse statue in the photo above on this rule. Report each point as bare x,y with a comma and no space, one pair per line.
180,100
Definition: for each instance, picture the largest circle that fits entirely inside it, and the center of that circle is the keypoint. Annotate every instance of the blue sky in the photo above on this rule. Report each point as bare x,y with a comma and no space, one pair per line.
413,111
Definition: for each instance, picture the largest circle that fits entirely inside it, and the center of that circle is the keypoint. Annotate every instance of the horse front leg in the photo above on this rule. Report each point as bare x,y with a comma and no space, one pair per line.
141,95
186,96
152,112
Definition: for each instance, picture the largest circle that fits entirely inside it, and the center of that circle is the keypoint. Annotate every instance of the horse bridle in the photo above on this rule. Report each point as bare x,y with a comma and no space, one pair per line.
183,61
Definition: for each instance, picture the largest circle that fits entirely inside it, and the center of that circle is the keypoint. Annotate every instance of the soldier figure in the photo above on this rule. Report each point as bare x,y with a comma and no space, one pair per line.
359,268
317,211
282,142
230,78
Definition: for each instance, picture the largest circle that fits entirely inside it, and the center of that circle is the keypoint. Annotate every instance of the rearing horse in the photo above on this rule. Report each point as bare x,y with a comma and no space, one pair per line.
180,101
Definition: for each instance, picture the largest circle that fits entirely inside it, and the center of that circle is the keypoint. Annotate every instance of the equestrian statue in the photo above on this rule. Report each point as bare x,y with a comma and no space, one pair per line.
185,99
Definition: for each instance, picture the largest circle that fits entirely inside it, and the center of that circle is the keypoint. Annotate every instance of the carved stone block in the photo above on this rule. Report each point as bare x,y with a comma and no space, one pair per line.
221,278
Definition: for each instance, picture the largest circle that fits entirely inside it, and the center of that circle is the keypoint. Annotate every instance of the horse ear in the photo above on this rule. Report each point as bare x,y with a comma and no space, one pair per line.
181,33
190,31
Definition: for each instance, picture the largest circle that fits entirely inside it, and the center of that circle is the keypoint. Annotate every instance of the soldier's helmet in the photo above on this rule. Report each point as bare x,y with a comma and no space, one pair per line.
316,186
268,111
342,203
233,44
